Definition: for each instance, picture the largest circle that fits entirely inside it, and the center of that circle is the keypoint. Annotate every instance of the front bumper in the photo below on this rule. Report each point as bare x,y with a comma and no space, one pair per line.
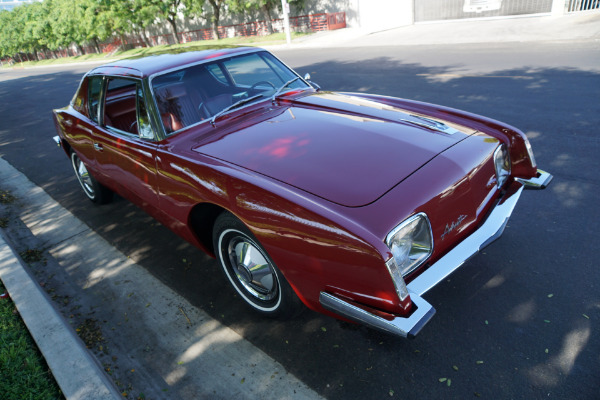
490,230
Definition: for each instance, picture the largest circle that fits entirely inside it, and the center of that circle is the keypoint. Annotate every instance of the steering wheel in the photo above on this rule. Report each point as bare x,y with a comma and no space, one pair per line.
253,87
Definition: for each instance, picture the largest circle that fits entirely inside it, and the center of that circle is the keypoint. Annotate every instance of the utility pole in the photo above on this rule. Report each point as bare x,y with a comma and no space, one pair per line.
286,21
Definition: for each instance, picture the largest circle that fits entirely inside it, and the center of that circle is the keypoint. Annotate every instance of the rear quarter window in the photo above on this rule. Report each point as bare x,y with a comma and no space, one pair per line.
94,91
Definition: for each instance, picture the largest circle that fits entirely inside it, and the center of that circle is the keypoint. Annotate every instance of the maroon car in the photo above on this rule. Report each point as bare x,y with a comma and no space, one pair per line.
353,204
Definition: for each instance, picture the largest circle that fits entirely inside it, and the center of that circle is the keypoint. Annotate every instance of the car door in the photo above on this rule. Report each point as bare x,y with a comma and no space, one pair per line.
124,143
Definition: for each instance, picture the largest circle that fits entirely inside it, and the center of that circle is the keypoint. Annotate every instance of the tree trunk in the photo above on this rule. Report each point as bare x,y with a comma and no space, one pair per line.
173,24
80,48
267,9
144,38
216,6
96,45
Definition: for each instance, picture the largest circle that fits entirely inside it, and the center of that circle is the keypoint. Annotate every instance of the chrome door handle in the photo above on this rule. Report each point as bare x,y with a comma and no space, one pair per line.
98,146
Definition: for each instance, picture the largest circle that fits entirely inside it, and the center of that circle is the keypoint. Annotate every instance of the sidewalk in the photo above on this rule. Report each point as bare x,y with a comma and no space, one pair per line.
584,26
149,337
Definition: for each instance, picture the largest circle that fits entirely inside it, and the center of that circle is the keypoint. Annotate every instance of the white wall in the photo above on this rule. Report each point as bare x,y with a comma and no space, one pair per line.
379,15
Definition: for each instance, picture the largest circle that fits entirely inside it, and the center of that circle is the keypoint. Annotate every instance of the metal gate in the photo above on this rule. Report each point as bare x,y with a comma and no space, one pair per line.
435,10
582,5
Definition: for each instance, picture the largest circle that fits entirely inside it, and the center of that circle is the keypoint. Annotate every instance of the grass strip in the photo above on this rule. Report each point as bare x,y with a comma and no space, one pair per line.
24,373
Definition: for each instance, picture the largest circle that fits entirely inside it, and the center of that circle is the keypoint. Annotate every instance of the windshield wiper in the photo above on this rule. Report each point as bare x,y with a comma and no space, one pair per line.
278,92
234,105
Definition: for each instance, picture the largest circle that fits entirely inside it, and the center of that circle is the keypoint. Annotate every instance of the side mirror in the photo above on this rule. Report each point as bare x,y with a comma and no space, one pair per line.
311,83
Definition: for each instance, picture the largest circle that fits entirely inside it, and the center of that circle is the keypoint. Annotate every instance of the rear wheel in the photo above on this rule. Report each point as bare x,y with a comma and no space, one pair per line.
251,271
91,187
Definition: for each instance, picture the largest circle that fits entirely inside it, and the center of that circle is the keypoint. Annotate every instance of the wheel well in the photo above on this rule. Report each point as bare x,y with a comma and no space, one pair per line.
66,147
202,221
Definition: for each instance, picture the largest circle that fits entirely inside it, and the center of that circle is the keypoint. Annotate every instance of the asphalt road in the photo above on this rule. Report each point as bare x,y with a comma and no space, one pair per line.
520,320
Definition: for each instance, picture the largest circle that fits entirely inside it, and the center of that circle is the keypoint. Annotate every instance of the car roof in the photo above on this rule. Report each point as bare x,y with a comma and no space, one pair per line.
147,65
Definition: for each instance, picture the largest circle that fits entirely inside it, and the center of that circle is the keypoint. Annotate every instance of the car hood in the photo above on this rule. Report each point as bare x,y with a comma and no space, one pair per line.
342,148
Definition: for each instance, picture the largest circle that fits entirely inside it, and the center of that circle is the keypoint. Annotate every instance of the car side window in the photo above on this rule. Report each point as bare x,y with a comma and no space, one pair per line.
94,92
143,118
217,73
120,109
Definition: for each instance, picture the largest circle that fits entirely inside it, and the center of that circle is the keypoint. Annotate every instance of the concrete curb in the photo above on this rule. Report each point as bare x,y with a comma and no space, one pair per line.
75,370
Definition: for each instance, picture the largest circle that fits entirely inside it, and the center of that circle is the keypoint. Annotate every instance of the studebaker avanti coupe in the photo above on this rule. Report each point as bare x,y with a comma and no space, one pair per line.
353,204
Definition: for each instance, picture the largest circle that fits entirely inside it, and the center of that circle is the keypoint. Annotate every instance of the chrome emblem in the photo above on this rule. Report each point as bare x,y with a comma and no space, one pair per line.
453,226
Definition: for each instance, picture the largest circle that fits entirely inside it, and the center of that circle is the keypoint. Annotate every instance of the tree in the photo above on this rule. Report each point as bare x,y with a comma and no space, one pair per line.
8,45
266,6
168,11
197,8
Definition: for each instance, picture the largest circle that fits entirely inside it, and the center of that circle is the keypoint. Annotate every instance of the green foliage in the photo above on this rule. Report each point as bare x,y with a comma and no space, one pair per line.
23,371
52,25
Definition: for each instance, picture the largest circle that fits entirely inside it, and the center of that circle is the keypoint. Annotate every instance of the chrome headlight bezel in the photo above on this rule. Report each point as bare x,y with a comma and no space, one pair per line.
411,244
502,165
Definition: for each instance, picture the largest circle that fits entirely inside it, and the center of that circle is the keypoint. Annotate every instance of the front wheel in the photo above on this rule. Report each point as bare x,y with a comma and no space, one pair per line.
251,271
91,187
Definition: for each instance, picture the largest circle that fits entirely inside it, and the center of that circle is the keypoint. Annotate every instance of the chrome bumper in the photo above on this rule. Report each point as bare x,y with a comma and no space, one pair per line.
541,181
56,140
490,230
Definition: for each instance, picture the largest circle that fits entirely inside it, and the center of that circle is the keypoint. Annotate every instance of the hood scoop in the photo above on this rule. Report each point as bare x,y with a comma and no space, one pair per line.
431,124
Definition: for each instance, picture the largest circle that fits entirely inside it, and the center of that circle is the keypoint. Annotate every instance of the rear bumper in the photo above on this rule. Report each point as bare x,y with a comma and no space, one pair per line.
490,230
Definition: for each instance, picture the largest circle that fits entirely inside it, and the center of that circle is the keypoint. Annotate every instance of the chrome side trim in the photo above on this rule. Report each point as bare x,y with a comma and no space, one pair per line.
541,181
401,326
491,229
56,140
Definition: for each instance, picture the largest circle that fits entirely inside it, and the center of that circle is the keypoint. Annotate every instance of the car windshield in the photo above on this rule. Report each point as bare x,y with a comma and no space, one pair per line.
206,91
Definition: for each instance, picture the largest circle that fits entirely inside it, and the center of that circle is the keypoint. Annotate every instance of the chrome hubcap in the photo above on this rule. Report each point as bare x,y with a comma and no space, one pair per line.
252,269
83,176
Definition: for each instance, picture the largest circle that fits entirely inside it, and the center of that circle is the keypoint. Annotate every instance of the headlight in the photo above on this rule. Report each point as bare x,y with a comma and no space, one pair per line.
530,152
502,164
411,244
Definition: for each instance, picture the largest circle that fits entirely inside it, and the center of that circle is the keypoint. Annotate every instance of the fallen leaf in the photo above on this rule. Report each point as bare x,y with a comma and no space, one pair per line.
324,329
443,379
449,382
585,316
454,367
391,392
546,351
547,321
550,295
478,362
243,380
486,322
